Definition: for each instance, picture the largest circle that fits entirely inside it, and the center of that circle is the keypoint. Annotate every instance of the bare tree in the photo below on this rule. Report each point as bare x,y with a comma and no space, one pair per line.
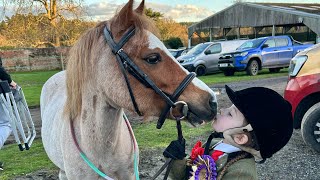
55,10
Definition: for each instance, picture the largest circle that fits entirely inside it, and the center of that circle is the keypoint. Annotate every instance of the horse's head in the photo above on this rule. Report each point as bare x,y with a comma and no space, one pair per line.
150,55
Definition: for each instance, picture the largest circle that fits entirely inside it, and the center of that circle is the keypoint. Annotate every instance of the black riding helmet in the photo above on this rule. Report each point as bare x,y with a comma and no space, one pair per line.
269,115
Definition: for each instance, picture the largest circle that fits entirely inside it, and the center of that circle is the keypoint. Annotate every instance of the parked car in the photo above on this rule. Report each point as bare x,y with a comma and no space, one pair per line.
176,52
273,52
303,92
204,57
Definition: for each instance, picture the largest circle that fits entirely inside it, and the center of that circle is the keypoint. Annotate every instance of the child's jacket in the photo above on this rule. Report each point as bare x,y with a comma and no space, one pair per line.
244,169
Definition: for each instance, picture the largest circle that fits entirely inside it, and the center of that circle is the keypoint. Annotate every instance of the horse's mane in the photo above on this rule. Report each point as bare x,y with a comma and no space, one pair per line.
81,61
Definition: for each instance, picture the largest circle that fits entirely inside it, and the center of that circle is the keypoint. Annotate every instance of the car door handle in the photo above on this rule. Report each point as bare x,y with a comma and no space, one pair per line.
275,50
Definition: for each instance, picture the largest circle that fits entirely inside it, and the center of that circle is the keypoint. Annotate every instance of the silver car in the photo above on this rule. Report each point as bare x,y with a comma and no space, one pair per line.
203,58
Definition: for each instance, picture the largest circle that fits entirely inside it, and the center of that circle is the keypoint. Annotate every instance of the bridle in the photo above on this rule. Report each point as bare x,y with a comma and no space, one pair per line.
127,65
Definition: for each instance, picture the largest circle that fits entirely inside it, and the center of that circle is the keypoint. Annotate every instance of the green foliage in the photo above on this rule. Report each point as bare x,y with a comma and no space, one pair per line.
186,23
28,30
173,42
153,14
7,47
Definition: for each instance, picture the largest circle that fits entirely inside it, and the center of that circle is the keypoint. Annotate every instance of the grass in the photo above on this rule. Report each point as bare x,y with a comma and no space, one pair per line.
149,137
20,163
240,76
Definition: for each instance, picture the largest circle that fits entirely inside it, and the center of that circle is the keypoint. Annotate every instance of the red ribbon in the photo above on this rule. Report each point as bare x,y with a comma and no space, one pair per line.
216,154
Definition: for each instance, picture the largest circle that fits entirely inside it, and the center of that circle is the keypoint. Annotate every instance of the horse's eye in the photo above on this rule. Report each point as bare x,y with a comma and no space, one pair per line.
153,58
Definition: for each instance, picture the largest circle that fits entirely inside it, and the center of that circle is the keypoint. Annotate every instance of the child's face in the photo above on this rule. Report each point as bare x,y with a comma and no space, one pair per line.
228,118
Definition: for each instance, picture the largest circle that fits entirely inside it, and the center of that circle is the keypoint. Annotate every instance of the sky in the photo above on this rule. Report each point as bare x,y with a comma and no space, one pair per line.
178,10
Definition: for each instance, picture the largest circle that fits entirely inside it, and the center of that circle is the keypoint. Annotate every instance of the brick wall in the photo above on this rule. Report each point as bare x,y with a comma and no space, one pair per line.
34,59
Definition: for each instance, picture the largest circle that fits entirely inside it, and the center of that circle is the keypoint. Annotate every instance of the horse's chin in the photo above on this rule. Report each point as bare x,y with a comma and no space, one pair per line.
195,120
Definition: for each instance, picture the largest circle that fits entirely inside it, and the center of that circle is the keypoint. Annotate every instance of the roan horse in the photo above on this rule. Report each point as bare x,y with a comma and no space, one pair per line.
89,97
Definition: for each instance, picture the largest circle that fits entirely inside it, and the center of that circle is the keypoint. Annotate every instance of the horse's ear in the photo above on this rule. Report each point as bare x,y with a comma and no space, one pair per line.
140,8
123,20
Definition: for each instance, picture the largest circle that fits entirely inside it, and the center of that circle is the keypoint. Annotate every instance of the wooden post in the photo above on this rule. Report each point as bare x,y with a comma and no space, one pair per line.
273,30
61,60
189,42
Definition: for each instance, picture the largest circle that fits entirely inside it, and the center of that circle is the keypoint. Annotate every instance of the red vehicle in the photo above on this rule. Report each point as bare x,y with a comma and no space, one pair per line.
303,92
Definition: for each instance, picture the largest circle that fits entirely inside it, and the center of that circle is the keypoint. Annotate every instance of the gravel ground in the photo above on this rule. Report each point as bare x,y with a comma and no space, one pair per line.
294,161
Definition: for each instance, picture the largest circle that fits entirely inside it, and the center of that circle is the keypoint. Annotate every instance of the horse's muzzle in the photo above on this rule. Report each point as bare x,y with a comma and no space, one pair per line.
195,119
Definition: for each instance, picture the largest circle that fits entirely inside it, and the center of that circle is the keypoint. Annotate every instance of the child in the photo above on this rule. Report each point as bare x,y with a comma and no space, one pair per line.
257,125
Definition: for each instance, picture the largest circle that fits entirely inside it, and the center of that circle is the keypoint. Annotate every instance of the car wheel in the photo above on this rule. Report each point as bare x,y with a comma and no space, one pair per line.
253,68
310,127
228,72
200,70
274,70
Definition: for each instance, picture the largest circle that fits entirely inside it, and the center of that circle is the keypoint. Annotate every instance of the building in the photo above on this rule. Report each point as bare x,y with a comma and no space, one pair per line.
251,20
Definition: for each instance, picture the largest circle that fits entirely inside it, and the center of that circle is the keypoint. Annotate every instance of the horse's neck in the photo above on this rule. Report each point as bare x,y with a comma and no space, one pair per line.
102,127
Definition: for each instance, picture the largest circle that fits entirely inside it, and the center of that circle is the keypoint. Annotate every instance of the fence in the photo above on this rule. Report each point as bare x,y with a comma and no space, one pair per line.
34,59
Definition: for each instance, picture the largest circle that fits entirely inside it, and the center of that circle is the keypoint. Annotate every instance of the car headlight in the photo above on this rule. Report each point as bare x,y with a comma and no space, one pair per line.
241,54
296,64
190,59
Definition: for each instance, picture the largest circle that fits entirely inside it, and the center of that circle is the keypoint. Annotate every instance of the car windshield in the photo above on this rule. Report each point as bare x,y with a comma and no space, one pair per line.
198,49
251,44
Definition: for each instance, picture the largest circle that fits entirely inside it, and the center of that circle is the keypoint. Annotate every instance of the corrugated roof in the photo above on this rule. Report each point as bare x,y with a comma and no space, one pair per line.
249,14
312,8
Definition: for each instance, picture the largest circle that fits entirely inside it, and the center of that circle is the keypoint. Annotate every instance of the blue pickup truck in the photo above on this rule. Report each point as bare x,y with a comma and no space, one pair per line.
273,52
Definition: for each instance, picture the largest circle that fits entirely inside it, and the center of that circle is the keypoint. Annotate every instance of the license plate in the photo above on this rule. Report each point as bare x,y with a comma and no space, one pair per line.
223,65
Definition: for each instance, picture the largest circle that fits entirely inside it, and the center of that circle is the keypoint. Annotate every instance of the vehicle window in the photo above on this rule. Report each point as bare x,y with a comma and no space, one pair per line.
270,43
281,42
198,49
215,48
251,44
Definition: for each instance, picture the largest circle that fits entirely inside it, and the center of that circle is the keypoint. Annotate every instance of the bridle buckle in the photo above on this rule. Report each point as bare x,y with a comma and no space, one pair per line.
184,110
119,51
